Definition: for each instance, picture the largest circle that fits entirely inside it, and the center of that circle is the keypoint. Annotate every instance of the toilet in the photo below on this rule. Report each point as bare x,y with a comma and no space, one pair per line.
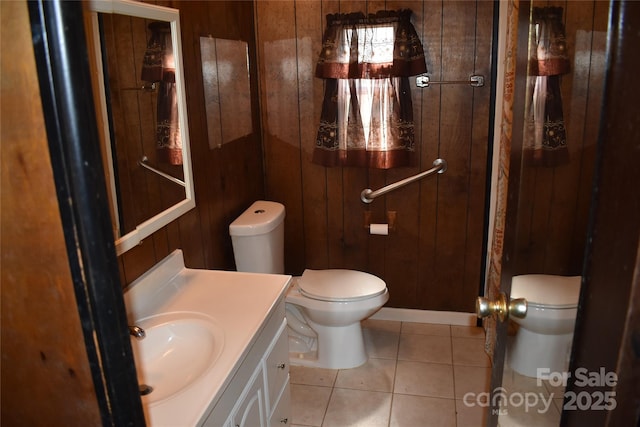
545,335
324,308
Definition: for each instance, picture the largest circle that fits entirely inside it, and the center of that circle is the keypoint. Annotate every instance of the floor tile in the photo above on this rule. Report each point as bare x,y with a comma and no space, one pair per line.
381,339
426,329
471,414
513,382
528,402
412,411
308,404
424,379
313,376
358,408
539,416
375,375
413,377
471,379
469,352
382,325
556,388
467,331
425,348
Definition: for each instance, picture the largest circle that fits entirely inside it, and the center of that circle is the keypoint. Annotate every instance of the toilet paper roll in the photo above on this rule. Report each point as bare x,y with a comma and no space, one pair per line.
380,229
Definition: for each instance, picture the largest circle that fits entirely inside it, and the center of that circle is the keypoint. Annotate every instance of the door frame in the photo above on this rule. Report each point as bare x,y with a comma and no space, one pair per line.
64,78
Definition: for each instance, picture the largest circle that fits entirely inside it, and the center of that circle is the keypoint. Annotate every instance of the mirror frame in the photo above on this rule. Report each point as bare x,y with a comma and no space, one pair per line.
160,13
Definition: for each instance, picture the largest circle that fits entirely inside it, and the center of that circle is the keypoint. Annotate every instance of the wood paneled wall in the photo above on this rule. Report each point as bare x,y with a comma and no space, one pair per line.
554,202
433,259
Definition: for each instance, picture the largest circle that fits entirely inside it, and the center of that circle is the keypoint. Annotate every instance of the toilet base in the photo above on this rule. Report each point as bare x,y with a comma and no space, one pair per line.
339,347
531,351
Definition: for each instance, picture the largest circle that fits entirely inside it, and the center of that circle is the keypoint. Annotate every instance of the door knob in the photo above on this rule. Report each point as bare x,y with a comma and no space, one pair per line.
500,306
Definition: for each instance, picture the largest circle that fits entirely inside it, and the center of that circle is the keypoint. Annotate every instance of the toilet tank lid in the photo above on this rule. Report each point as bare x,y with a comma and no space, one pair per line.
260,218
546,289
340,285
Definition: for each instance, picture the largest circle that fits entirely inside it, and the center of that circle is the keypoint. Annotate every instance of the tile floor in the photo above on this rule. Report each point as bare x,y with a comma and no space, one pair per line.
416,376
530,402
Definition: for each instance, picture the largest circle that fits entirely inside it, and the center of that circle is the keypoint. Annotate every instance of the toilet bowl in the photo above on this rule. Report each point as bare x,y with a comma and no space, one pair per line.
545,335
334,316
324,308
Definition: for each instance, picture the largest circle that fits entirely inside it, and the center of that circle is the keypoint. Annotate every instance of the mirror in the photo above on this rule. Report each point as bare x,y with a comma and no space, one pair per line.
225,73
143,115
556,154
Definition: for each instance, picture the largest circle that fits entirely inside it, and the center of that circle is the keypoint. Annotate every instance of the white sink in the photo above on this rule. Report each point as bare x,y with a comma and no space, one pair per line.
178,349
199,325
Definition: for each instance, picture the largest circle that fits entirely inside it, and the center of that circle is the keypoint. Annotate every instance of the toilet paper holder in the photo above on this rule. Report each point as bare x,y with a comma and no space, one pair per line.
391,220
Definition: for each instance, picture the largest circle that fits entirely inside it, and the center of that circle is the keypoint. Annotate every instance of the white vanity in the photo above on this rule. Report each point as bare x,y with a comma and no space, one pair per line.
215,351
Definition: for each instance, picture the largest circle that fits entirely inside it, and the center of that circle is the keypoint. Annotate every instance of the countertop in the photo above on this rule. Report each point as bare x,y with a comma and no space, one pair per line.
239,303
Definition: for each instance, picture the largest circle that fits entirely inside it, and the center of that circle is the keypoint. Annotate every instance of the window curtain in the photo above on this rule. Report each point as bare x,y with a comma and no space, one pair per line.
545,137
367,113
158,66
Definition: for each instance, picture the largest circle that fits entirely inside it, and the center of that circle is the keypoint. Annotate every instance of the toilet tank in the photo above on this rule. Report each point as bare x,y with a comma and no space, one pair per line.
257,236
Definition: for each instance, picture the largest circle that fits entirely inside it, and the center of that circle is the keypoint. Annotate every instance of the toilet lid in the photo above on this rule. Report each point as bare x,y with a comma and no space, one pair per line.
340,285
548,290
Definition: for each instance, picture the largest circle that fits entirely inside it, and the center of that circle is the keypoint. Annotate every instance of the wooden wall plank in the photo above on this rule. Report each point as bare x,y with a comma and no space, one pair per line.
277,50
455,126
479,153
401,247
310,24
430,150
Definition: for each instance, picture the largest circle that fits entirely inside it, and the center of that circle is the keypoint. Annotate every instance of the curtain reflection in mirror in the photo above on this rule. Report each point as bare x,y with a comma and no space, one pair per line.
158,66
545,137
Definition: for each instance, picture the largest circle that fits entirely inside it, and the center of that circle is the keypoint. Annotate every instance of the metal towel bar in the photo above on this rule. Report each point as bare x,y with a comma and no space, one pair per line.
474,81
439,166
143,163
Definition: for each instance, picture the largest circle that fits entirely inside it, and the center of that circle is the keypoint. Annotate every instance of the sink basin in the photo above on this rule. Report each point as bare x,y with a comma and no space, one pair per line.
179,348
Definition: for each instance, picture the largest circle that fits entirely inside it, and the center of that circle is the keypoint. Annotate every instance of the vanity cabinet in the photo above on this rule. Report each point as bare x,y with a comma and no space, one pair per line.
249,410
258,393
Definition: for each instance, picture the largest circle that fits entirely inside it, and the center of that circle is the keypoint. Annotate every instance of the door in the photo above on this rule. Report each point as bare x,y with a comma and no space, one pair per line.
545,206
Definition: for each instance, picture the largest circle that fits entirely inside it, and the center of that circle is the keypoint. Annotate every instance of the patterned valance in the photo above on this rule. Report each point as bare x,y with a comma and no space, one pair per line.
380,45
549,56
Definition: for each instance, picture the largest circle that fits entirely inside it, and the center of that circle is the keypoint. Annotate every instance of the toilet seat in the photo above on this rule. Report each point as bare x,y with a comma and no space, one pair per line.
547,291
338,285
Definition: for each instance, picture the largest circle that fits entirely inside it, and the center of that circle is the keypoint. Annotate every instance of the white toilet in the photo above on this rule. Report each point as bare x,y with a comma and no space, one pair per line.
324,307
546,332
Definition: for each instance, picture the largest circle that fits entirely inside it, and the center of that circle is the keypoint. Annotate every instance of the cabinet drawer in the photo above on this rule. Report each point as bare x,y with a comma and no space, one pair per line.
277,366
281,416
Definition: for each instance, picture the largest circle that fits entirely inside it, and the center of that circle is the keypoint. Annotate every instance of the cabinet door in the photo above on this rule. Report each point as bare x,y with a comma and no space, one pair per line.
281,416
277,366
250,410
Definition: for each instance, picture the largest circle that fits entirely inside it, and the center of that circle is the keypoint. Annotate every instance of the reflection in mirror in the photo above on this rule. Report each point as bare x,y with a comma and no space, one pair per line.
144,117
565,82
225,72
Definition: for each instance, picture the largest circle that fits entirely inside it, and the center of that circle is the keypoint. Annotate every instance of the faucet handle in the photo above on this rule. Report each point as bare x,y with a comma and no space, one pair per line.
137,332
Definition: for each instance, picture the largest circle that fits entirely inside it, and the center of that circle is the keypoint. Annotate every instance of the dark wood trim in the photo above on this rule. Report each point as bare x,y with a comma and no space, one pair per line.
65,86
